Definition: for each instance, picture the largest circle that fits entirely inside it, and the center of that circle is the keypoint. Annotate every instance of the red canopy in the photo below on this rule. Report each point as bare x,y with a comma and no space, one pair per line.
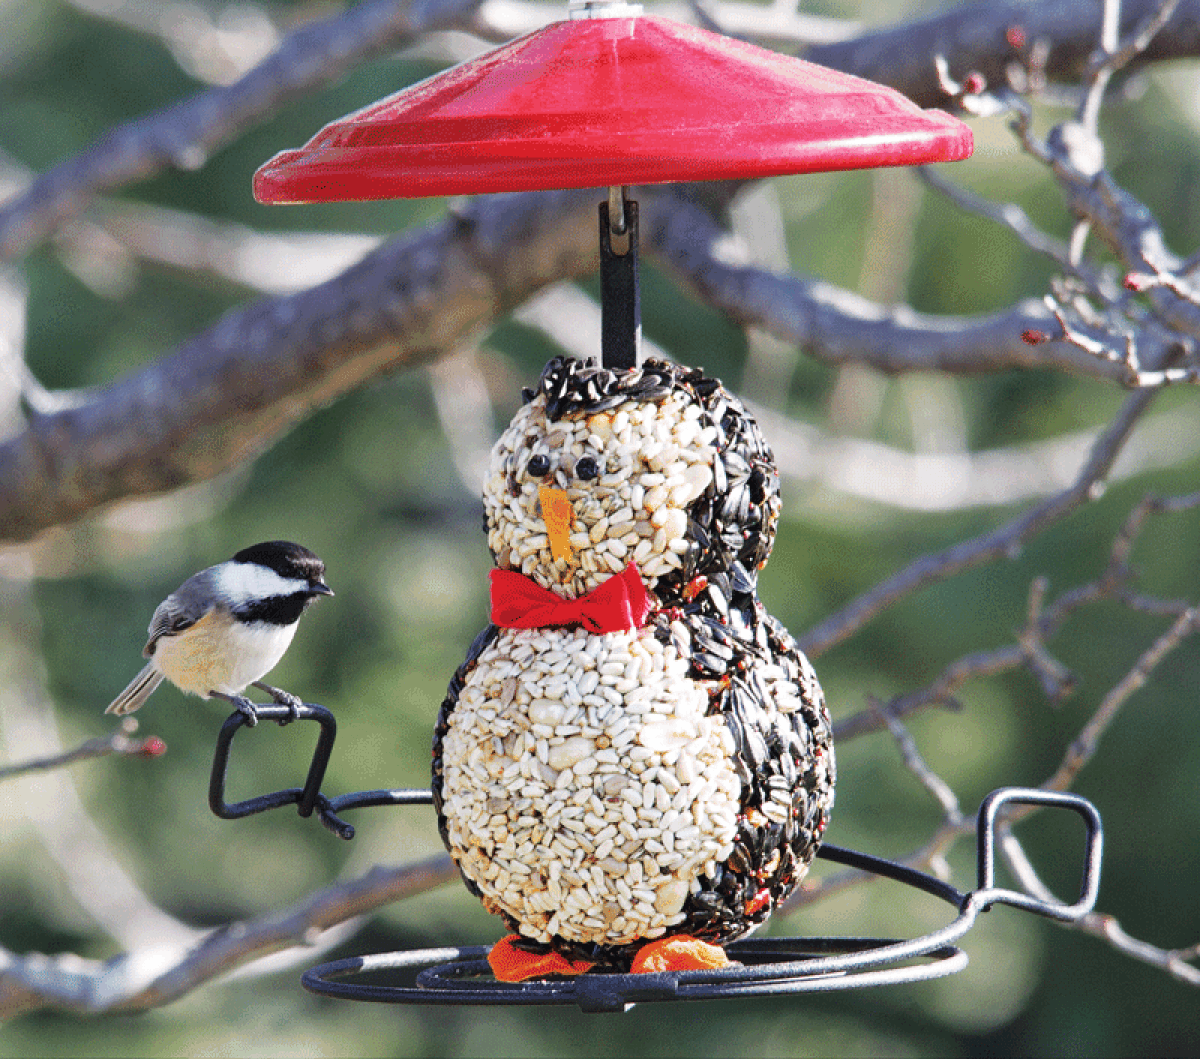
602,101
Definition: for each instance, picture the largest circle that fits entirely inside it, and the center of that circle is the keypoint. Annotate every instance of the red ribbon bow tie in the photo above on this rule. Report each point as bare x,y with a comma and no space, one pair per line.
621,602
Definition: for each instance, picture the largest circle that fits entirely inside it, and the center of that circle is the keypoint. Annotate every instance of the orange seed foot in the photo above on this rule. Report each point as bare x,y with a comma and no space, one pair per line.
681,952
510,964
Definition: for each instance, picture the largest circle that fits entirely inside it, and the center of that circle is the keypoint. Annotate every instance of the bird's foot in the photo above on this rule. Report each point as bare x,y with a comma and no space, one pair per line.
246,708
511,964
680,952
282,698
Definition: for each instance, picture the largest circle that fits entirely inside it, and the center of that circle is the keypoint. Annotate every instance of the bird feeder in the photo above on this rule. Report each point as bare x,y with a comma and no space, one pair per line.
610,98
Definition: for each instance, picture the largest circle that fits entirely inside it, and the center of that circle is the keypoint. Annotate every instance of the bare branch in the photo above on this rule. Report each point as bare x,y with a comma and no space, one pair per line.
915,763
1097,924
1042,623
996,544
230,391
885,474
1007,214
1114,55
839,327
137,981
1084,747
186,133
118,742
977,37
104,890
1176,962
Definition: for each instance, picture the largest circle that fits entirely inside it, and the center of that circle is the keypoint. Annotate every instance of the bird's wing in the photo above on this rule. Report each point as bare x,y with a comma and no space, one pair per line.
179,611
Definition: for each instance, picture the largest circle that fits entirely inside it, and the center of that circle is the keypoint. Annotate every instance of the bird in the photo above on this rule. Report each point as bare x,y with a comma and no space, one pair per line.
634,765
227,626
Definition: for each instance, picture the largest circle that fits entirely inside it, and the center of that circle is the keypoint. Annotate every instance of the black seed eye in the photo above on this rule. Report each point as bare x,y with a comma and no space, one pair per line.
587,469
539,464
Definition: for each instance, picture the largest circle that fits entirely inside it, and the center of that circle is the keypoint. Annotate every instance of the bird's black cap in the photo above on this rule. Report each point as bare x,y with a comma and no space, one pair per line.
287,559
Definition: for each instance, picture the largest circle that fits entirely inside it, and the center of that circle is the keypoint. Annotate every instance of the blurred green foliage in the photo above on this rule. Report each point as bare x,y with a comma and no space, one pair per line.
370,484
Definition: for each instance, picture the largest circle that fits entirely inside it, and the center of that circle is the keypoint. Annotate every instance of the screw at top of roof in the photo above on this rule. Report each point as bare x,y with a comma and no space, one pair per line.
600,101
602,9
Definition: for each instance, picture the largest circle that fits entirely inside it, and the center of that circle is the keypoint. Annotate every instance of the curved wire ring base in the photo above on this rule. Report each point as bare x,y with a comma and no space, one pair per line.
768,966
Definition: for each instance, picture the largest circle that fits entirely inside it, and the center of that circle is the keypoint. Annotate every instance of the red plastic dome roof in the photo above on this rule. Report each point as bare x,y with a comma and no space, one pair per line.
603,101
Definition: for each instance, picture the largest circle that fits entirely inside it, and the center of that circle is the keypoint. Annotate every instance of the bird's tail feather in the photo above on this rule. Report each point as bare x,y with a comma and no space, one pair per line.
140,689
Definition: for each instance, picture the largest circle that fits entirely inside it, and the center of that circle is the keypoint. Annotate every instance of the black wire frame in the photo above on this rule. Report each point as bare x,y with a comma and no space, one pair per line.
766,966
770,966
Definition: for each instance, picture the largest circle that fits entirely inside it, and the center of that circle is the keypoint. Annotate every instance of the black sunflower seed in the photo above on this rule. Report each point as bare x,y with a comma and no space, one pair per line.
708,901
605,403
718,600
741,580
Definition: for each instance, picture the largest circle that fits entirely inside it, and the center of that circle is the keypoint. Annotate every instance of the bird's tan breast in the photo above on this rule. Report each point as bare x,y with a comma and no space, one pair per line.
217,654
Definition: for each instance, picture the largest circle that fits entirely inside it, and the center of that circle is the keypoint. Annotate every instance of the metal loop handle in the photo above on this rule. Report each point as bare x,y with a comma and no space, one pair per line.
988,893
308,799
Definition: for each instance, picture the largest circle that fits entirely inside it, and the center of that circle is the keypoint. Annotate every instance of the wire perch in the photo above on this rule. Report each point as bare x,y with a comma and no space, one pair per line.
307,799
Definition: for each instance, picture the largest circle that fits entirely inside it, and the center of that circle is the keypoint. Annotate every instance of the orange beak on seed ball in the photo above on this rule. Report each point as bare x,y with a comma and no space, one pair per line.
559,516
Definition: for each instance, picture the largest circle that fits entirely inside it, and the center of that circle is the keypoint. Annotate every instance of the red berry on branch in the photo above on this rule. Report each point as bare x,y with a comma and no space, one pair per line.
1034,338
153,746
1015,35
974,83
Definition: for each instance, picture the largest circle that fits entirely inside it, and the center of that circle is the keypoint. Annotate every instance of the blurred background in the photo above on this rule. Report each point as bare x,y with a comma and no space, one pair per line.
383,484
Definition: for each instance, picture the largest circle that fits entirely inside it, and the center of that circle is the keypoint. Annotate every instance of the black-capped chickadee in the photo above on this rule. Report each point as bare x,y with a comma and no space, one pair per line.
226,627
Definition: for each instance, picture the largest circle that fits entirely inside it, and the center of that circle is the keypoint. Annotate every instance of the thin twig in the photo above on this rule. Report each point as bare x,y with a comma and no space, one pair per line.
1114,55
930,780
1084,747
1043,622
1006,214
995,544
1056,679
1096,924
118,742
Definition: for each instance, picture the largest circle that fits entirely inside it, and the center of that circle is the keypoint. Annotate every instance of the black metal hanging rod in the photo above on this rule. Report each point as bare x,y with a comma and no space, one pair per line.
620,291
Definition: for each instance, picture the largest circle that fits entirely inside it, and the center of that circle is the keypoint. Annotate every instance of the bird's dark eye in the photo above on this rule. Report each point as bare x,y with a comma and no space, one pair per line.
539,464
587,469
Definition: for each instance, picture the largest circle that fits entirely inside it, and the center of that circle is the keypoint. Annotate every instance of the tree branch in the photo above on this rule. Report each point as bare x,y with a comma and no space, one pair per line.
227,393
840,327
136,981
184,134
1042,624
976,38
118,742
230,391
995,544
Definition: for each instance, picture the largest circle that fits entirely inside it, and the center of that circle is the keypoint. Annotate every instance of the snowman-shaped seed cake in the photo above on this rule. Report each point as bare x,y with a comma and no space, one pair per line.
634,765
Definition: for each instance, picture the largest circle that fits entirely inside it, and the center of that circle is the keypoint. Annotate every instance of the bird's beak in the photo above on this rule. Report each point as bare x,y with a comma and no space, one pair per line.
320,589
559,516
